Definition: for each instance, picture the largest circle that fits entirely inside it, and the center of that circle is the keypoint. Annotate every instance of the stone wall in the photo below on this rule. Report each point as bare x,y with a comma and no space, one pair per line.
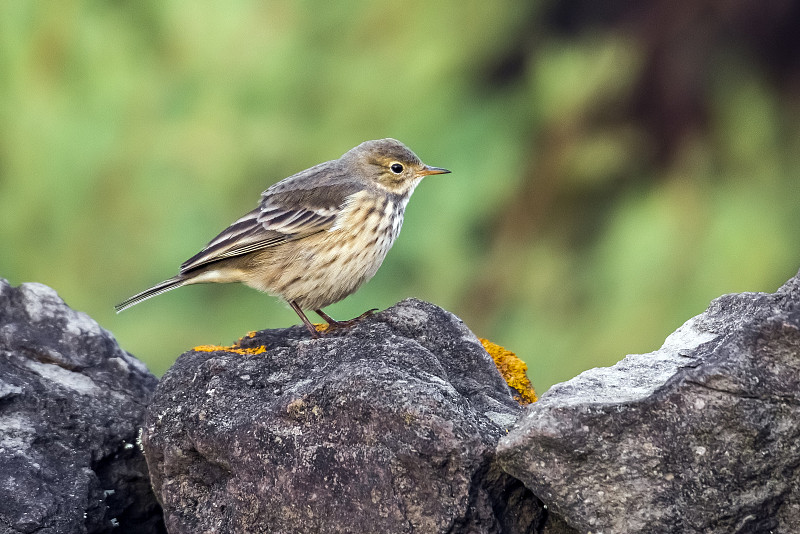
401,423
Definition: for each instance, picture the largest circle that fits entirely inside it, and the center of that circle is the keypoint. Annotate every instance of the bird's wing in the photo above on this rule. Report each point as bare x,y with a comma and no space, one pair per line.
285,214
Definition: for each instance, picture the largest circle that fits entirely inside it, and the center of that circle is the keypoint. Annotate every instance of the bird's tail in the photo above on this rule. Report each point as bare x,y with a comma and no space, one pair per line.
163,287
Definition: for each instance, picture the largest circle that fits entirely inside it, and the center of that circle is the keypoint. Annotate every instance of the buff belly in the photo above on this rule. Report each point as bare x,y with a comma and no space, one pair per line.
326,267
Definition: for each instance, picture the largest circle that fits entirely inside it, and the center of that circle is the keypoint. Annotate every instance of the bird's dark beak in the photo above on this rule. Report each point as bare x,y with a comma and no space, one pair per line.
426,170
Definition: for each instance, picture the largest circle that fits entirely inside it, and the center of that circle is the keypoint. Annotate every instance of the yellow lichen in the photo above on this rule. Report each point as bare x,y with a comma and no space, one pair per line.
249,335
233,348
236,348
513,370
321,327
208,348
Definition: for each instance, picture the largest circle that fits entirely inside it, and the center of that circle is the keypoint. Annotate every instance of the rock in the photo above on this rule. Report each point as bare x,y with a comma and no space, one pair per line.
702,435
388,426
71,402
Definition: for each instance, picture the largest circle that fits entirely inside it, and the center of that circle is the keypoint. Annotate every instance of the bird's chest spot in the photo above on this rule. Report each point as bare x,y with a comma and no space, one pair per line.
361,238
397,210
385,226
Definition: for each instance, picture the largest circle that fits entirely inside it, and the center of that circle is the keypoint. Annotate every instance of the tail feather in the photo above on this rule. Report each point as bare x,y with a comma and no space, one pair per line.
163,287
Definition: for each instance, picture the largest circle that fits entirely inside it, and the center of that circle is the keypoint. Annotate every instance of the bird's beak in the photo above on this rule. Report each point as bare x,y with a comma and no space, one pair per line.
426,170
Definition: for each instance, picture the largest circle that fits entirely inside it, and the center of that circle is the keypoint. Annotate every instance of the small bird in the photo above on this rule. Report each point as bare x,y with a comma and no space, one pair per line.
317,235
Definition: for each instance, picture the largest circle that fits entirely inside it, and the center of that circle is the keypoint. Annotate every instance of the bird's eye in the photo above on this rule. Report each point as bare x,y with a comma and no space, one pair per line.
396,168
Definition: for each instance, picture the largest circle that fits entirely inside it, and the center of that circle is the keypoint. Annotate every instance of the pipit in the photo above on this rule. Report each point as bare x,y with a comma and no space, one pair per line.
316,236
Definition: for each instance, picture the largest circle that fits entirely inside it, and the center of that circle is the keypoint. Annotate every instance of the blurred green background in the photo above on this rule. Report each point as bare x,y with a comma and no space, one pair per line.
615,165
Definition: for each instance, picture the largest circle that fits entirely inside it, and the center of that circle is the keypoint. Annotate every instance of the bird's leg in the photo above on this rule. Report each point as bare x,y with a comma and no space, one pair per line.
332,323
305,320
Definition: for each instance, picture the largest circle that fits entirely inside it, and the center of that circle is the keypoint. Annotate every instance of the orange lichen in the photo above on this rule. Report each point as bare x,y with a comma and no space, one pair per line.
233,348
249,335
513,370
321,327
208,348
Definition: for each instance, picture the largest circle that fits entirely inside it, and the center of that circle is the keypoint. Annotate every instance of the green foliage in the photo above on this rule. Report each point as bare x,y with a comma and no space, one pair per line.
133,132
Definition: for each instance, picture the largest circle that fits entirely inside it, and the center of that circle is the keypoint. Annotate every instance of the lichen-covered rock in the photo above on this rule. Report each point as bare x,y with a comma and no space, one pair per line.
71,402
702,435
388,426
513,370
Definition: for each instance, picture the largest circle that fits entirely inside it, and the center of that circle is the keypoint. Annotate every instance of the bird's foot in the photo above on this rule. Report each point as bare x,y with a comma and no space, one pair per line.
334,324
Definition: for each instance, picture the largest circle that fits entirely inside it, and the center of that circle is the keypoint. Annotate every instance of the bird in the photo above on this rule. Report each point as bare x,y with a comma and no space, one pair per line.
316,236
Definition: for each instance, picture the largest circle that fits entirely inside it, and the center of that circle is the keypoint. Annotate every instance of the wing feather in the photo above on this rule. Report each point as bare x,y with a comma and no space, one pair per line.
286,213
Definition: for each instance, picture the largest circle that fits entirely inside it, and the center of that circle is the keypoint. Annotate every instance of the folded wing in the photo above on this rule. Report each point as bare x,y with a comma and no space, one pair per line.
283,215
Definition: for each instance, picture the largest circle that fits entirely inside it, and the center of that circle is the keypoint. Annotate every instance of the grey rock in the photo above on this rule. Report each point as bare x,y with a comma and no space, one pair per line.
702,435
388,426
70,404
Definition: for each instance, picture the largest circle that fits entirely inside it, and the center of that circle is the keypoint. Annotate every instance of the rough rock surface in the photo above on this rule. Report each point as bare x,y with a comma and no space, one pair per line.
388,426
702,435
70,404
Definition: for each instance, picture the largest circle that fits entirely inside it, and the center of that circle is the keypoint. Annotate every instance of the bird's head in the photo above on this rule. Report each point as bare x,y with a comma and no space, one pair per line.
390,165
